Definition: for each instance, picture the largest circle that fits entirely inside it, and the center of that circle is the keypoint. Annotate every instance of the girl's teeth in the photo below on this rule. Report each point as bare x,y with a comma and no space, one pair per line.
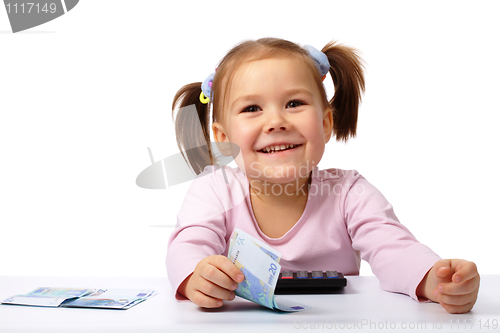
278,148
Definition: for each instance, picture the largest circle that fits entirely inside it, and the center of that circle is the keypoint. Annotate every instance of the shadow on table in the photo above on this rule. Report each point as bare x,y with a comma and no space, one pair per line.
239,305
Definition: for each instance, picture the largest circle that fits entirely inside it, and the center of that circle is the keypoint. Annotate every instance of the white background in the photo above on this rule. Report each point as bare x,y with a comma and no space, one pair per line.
83,96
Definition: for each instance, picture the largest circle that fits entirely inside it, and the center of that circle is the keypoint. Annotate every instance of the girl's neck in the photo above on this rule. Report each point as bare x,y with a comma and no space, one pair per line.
277,194
278,207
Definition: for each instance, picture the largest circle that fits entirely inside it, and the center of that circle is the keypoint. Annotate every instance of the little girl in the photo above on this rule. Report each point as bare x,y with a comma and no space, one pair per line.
270,112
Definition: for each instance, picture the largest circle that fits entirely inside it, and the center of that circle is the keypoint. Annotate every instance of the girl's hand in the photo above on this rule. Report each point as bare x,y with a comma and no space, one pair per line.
212,281
454,283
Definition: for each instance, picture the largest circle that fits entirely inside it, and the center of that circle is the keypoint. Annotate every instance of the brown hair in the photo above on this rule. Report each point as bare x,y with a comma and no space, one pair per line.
346,71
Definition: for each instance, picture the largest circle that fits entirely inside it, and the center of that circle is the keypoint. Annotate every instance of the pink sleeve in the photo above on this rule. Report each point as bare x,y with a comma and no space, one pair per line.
398,260
200,230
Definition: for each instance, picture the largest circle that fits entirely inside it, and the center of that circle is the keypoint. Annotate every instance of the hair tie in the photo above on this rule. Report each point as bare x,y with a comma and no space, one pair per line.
320,59
206,89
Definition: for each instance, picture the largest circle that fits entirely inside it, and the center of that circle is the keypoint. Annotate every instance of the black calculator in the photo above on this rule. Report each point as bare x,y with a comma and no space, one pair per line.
312,282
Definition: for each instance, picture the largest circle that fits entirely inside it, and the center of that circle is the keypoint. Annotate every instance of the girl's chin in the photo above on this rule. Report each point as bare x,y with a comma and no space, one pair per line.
291,170
272,180
278,177
280,174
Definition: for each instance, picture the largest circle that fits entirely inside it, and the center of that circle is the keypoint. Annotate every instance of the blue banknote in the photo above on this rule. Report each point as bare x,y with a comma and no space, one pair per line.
87,298
260,265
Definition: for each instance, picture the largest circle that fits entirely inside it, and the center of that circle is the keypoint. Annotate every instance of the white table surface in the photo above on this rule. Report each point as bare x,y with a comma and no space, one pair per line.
362,306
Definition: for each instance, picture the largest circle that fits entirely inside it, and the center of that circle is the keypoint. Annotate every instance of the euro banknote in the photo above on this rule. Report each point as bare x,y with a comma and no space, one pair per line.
259,264
87,298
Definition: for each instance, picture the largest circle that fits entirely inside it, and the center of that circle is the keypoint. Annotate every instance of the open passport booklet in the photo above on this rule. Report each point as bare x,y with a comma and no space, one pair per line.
82,298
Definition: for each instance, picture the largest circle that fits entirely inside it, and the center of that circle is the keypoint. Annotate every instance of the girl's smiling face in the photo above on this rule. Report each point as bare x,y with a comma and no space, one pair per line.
275,114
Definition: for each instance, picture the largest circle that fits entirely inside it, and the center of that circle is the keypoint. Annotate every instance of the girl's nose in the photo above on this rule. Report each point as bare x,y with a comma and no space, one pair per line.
276,122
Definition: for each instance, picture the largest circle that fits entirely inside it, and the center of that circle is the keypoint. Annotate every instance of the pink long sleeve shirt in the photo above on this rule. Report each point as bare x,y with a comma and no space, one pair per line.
346,219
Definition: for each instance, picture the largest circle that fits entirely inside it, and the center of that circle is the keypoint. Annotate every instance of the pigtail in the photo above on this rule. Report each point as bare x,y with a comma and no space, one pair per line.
193,140
346,70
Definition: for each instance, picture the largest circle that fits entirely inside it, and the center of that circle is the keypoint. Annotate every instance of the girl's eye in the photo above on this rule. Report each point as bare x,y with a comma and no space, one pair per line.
294,104
251,108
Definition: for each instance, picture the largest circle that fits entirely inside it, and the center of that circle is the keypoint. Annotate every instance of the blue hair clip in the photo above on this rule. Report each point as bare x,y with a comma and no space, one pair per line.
206,89
320,59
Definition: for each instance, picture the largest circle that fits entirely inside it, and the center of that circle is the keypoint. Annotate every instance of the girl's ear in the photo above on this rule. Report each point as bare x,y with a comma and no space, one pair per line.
221,138
327,123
